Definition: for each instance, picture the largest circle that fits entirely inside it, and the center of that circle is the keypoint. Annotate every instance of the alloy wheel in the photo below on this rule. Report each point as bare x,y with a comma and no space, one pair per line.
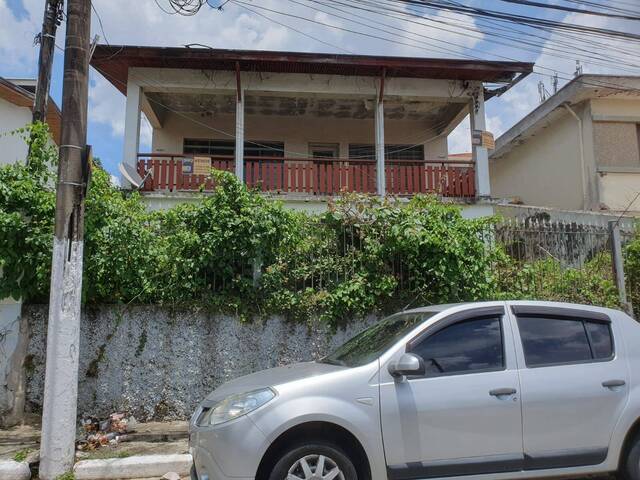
315,467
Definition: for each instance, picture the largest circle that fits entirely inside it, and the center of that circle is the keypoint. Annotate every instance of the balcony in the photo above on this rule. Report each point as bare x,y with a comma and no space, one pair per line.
313,177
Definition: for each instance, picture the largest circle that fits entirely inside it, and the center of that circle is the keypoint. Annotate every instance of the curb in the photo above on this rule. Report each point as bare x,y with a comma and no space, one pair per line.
142,466
10,470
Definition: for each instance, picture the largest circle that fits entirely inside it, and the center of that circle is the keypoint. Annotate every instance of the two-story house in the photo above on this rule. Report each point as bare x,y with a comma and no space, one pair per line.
303,126
579,150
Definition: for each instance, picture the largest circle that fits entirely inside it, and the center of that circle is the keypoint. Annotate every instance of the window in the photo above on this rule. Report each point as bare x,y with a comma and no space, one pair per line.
600,339
324,150
391,152
466,347
375,340
553,341
194,146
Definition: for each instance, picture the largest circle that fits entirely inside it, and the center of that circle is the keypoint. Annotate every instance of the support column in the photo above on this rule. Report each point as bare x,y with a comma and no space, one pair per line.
132,124
380,173
480,153
239,156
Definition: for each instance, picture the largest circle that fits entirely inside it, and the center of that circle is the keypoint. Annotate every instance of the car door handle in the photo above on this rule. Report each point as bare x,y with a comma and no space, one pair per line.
614,383
502,392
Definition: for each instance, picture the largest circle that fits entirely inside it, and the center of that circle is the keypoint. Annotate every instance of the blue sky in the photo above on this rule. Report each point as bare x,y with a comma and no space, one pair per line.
235,27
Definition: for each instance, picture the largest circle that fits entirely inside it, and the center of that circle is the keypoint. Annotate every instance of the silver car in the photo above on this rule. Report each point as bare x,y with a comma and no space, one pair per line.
481,391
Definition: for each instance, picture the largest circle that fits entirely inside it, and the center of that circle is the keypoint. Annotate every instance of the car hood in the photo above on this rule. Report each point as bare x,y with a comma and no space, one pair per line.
271,378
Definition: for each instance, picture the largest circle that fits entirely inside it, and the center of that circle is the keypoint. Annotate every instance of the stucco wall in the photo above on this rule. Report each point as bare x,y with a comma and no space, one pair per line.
297,132
544,170
158,364
12,147
619,191
620,107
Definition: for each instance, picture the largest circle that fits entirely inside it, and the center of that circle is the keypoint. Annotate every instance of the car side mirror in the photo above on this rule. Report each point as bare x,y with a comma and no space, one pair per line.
407,365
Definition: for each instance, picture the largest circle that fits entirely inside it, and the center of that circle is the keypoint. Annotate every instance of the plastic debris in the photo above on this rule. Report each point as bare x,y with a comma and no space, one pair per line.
109,431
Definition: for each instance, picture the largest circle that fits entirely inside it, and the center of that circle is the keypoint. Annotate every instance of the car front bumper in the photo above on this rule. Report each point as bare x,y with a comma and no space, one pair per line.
232,450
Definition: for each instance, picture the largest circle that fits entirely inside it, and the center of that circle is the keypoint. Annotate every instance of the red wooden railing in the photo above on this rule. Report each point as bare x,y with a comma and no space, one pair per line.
315,176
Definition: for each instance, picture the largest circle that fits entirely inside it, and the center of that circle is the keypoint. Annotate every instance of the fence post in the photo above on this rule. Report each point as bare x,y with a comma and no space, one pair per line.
617,262
257,270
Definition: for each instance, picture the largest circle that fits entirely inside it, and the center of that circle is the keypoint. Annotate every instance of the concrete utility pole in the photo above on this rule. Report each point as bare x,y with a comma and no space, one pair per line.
52,18
61,377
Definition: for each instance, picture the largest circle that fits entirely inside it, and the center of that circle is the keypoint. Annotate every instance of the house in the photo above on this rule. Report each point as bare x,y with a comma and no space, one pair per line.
302,126
16,103
579,150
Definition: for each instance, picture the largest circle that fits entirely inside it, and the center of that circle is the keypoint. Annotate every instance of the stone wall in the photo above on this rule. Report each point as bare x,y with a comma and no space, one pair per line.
157,363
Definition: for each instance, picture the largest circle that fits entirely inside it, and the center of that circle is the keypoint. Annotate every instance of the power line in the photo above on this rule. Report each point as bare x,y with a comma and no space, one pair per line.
571,9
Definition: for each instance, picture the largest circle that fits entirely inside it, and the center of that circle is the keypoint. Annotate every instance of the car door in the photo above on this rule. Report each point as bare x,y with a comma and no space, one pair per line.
463,416
574,384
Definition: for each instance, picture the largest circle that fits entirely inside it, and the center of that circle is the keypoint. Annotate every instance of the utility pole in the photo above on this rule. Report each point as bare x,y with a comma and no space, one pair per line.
47,39
59,409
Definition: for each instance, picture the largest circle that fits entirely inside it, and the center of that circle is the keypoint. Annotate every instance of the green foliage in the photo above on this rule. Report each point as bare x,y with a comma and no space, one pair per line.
27,206
21,455
363,255
632,269
66,476
548,280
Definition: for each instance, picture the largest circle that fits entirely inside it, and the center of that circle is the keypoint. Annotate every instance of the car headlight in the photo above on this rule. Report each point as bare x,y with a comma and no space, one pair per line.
235,406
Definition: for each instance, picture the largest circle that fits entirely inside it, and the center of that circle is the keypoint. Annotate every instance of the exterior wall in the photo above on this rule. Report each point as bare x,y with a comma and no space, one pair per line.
616,107
617,152
544,170
160,363
619,191
297,133
12,147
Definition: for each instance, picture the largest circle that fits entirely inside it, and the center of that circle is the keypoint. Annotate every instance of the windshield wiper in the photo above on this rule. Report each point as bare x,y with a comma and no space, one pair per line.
331,361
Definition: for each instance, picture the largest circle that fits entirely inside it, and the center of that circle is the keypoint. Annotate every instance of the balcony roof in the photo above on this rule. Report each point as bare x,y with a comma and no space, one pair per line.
114,61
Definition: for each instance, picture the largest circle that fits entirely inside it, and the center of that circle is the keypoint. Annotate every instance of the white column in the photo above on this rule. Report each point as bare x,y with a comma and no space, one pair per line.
480,154
132,124
239,157
379,125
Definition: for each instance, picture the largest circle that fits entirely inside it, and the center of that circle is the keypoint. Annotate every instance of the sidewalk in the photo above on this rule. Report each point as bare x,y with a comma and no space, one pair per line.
163,440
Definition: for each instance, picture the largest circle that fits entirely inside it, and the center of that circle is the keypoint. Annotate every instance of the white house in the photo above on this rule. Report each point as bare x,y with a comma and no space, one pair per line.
16,103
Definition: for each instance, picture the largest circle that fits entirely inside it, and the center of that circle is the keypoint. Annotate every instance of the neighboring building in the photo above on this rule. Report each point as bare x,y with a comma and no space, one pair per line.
16,103
304,126
579,150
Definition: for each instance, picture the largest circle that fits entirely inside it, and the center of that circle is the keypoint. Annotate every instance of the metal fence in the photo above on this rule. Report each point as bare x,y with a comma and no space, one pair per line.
531,258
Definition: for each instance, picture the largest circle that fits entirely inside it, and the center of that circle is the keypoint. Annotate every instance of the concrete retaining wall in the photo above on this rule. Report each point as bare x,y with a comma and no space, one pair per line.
13,345
158,364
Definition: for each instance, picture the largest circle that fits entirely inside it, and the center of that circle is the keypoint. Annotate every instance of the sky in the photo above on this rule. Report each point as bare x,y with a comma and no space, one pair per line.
143,22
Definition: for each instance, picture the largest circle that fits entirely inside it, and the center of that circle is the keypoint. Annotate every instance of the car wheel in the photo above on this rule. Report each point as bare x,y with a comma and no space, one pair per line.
631,470
314,461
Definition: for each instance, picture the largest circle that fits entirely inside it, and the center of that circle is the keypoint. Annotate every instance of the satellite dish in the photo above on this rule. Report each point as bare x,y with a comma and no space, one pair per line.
132,176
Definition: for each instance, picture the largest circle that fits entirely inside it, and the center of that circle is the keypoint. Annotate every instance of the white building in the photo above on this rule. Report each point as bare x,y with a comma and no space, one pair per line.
16,103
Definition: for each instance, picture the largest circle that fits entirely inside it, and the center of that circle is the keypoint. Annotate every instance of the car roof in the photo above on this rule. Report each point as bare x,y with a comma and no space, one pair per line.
446,306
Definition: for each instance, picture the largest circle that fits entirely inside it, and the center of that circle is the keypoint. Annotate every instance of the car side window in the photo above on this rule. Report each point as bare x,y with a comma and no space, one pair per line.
550,341
470,346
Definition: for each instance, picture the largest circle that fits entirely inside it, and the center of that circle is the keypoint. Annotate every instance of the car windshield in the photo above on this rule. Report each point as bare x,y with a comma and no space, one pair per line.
375,340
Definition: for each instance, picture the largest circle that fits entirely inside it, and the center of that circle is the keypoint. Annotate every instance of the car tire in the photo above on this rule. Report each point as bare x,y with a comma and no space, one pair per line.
631,468
293,459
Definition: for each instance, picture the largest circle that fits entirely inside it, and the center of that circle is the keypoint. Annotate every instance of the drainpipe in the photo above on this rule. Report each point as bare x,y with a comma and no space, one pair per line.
582,162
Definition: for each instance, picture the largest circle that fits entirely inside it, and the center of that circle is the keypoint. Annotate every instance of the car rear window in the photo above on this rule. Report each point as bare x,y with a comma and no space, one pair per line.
556,341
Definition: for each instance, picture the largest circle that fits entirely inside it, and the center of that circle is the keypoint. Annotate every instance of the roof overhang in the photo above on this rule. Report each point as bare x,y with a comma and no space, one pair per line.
113,62
20,97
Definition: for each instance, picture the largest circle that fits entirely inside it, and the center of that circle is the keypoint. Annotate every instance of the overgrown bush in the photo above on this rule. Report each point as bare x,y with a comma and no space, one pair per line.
235,251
